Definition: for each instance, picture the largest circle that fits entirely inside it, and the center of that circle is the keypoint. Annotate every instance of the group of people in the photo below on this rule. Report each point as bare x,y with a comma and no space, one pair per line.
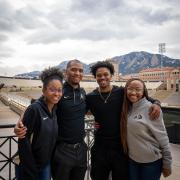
130,140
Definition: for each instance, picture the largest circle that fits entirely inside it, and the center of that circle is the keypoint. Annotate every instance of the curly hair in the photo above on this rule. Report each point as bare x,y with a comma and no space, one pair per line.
49,74
101,64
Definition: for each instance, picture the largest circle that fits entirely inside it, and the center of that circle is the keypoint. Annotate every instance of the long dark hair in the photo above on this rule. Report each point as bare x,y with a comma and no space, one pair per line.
125,109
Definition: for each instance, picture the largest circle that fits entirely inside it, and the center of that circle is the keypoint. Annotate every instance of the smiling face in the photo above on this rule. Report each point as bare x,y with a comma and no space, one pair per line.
53,92
103,77
135,91
74,73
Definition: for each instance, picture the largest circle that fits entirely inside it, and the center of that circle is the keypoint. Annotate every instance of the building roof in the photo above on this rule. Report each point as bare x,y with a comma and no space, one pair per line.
159,69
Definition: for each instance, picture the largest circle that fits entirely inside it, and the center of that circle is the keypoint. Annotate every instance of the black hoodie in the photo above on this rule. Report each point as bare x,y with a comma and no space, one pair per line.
42,126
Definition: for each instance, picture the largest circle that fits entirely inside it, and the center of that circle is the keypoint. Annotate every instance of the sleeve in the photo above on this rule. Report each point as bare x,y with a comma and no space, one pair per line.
29,168
154,101
87,103
159,131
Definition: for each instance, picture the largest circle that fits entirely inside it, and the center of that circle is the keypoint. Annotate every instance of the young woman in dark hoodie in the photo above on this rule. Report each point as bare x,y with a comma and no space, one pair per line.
35,150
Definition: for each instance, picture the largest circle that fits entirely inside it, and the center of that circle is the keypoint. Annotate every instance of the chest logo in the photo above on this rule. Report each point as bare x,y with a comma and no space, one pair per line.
82,97
139,116
66,97
44,118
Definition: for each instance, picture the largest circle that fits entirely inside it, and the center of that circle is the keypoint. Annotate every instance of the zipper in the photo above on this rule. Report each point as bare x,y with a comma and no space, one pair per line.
74,96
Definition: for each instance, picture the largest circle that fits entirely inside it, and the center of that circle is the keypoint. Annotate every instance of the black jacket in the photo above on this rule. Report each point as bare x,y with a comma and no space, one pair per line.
43,126
70,114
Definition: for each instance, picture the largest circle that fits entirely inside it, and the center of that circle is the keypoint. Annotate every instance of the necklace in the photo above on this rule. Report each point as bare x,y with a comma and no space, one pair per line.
107,97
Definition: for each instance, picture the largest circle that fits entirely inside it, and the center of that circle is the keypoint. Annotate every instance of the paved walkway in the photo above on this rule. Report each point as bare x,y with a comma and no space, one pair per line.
176,163
173,100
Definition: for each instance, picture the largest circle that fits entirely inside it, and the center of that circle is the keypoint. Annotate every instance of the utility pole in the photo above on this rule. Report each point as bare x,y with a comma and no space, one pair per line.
162,49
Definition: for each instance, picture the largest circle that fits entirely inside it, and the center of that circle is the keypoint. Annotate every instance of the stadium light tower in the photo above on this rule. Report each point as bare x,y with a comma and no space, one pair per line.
162,50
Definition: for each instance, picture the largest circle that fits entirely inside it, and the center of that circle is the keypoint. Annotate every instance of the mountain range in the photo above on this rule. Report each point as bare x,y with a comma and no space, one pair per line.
128,64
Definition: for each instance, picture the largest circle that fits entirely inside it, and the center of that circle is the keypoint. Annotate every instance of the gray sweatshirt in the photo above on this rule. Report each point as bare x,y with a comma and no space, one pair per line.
147,139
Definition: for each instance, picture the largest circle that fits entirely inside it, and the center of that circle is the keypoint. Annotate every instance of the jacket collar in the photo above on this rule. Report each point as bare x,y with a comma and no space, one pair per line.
67,85
139,103
44,106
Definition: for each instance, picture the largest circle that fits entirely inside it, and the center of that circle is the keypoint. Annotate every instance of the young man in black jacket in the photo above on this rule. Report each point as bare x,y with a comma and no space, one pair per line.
70,158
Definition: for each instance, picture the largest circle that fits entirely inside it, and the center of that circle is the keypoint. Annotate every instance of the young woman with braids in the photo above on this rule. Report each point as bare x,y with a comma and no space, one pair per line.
35,150
145,141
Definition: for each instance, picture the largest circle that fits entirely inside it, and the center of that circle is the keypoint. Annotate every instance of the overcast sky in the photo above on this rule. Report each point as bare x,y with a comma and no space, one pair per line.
35,34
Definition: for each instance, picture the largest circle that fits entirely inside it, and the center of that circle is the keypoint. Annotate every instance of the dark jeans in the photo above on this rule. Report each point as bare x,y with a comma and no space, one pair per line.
70,161
105,160
18,172
44,174
145,171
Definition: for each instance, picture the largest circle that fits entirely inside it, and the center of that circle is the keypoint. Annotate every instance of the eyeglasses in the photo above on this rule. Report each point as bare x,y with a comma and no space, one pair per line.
129,90
52,90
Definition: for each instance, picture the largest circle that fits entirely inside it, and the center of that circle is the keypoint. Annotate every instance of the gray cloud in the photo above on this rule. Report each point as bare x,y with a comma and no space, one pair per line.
14,19
158,17
3,38
5,52
96,7
97,32
93,20
6,17
100,20
29,18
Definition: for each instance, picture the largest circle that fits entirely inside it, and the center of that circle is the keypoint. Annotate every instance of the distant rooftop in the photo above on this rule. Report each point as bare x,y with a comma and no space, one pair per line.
159,69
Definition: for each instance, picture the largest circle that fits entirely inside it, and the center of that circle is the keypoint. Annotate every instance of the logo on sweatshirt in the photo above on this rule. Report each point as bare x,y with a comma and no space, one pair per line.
139,116
66,97
44,118
82,96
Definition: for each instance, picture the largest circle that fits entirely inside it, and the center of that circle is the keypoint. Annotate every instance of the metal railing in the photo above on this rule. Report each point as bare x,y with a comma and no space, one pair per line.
7,154
7,159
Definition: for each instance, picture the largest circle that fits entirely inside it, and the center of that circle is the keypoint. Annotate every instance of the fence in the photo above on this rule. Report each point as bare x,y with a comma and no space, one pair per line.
172,120
7,154
7,164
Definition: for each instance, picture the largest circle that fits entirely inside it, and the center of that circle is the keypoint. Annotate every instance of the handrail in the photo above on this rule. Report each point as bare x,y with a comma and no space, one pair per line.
8,159
4,126
7,155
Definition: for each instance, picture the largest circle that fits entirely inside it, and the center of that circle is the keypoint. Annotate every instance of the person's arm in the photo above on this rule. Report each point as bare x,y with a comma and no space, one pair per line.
96,125
20,129
159,132
27,160
154,111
